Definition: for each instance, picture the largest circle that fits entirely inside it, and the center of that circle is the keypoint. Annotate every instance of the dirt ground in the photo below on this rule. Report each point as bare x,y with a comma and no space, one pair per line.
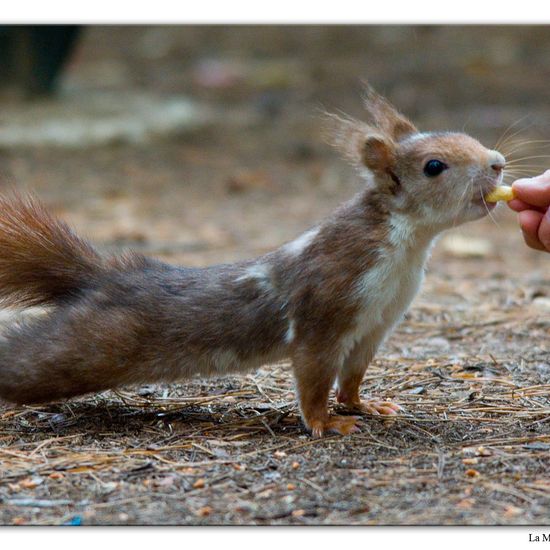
469,364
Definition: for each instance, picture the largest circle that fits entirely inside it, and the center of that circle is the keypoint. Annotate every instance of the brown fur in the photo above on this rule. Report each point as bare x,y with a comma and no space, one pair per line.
35,252
327,300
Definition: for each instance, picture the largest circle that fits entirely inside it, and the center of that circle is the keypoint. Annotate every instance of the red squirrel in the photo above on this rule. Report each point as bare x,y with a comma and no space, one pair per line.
326,300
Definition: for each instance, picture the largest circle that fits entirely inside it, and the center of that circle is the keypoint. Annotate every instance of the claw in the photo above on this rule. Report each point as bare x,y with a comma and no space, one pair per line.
376,408
343,425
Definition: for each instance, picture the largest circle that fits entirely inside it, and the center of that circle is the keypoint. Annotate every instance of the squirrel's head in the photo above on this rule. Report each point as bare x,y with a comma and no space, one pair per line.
437,178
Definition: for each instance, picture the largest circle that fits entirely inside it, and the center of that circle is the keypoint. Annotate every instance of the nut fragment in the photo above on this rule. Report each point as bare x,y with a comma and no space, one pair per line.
500,193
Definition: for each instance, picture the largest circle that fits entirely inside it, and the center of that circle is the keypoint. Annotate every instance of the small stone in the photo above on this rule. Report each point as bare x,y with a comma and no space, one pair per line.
511,511
245,507
482,451
542,303
108,487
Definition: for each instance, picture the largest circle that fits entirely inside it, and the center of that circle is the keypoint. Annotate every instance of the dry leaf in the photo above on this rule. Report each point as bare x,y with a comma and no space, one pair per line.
199,484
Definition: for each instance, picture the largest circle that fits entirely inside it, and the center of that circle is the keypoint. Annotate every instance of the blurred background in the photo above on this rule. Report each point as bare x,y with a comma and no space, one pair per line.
204,143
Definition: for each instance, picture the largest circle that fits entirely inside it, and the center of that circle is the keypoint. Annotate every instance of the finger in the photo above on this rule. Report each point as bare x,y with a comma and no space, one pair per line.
529,221
535,191
533,242
544,231
519,206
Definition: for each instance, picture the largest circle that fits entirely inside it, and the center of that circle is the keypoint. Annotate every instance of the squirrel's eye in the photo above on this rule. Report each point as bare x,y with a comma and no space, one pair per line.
434,167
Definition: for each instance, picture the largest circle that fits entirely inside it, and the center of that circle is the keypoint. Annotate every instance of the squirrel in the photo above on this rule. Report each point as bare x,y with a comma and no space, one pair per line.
326,300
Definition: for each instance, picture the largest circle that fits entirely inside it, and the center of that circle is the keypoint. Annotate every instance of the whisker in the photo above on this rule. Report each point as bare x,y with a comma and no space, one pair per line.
462,201
493,219
521,164
516,133
522,171
508,129
509,138
529,158
534,144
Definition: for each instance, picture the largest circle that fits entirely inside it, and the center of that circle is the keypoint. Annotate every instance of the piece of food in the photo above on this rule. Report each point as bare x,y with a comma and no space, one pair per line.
501,193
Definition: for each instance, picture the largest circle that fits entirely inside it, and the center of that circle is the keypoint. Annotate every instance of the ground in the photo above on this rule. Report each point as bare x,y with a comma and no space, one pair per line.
469,364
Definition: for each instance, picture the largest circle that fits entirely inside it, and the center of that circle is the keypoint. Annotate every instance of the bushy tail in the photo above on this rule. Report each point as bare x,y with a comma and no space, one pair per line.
42,262
104,327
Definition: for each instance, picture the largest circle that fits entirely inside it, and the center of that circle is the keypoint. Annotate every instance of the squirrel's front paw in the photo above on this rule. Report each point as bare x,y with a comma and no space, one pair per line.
385,408
343,425
379,407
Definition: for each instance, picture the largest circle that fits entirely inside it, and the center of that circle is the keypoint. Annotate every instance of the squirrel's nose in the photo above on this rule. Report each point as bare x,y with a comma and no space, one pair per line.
498,162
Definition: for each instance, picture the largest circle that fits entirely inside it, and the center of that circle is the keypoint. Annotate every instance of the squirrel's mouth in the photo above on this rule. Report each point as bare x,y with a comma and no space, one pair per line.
489,184
483,188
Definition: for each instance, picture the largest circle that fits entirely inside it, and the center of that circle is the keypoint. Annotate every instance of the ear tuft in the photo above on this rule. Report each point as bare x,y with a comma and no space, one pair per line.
385,117
347,135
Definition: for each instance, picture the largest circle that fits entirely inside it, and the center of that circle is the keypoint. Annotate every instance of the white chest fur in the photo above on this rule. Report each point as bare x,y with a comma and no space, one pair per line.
386,290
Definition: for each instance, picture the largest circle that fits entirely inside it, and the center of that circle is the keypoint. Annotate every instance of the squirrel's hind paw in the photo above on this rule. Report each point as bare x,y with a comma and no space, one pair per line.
343,425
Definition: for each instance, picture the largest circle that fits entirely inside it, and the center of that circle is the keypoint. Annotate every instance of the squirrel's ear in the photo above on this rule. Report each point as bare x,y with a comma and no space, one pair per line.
363,145
388,119
378,154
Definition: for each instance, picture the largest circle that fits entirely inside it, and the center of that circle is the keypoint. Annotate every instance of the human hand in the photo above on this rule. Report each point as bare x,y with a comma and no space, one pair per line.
532,203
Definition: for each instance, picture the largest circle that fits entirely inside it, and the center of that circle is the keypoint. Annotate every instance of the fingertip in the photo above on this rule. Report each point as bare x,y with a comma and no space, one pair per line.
533,242
533,191
543,233
529,221
517,205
